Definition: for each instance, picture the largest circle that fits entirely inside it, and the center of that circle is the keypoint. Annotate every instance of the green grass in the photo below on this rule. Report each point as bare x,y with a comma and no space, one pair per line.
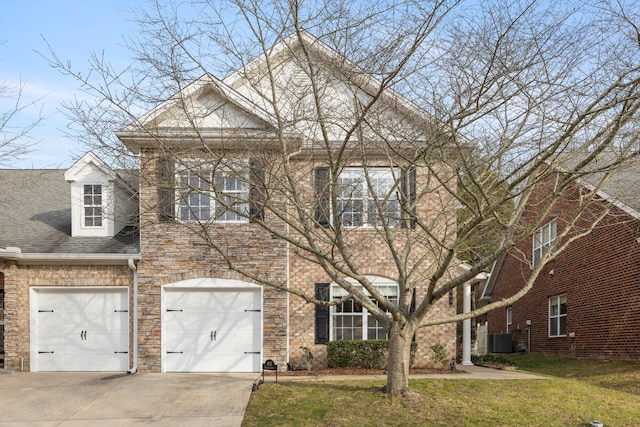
576,392
615,375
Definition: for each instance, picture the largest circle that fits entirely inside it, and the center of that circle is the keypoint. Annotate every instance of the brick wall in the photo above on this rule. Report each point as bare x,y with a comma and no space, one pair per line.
370,254
19,279
599,273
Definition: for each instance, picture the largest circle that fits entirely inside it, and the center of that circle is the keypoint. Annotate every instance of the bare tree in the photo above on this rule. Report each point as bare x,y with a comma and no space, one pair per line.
522,90
14,135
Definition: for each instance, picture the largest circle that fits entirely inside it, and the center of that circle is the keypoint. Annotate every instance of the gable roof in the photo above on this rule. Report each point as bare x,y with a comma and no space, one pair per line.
619,189
35,216
397,116
89,158
216,110
239,108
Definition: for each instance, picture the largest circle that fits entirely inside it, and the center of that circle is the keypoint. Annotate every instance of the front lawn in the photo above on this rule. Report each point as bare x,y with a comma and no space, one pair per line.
575,393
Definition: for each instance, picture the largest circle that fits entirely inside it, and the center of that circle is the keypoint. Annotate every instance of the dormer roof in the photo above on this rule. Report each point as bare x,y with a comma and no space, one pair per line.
35,206
88,163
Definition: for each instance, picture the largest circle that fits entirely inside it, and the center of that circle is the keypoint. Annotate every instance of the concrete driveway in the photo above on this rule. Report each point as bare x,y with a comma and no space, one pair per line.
105,399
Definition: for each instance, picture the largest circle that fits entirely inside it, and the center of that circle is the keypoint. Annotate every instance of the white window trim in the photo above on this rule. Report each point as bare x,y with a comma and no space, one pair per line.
556,318
335,291
394,171
542,244
509,319
213,203
83,216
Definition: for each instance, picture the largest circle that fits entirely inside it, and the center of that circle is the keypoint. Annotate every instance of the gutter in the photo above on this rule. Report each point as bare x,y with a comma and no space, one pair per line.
15,254
134,269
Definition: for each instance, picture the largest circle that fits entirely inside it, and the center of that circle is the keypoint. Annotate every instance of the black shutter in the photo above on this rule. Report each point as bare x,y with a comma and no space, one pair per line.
257,190
322,314
408,190
166,189
322,215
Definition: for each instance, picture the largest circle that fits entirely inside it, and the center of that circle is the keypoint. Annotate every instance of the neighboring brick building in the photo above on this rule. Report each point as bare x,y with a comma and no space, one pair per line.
99,276
586,302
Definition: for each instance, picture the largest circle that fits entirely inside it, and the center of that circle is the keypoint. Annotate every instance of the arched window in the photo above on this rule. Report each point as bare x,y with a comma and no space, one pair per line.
351,321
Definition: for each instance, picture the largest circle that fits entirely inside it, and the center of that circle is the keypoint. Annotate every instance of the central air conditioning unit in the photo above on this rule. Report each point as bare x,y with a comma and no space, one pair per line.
501,343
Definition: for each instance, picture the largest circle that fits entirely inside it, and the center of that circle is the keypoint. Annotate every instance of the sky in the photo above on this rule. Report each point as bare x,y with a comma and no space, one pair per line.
74,29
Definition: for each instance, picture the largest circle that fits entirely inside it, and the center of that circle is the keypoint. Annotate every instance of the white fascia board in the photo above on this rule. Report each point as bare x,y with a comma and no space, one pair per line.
192,90
67,258
72,173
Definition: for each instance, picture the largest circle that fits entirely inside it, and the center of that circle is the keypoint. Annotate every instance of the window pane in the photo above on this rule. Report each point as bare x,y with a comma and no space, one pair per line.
563,305
553,330
563,325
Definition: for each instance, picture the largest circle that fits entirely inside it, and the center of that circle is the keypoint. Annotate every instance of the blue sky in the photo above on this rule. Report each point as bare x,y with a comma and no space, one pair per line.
73,29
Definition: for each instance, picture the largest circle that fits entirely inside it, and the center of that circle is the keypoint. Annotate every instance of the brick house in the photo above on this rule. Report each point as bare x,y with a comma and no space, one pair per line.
107,271
585,303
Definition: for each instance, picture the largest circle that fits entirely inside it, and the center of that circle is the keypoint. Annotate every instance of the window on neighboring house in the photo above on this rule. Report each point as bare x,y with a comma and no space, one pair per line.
350,321
509,319
542,240
558,316
227,201
364,196
92,205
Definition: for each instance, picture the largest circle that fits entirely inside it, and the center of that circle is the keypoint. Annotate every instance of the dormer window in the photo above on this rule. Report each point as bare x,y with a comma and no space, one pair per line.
92,199
101,200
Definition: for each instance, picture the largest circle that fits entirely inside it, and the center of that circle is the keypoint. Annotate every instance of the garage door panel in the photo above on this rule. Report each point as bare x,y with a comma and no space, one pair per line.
190,342
213,330
82,330
188,319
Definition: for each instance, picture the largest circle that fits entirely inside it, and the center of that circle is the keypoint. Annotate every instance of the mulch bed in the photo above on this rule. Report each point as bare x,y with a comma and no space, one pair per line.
355,371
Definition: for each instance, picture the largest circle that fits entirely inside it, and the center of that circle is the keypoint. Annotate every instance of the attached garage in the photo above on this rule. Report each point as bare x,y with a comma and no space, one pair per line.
212,325
79,329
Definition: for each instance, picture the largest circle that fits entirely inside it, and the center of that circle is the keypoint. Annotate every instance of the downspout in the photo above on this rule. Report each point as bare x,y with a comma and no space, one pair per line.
134,361
287,269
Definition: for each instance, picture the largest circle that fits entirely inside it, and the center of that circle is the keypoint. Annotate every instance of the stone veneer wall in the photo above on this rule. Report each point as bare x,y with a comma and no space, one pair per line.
18,280
172,252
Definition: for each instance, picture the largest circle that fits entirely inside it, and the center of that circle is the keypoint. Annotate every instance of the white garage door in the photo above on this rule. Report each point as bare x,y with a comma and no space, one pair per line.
80,330
208,330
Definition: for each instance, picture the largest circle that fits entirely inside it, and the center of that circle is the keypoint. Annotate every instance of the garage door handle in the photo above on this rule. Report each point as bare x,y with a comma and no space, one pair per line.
45,352
83,335
121,352
174,352
212,336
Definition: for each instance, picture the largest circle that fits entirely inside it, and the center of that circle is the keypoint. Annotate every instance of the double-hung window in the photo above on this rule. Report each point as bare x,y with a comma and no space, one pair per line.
368,196
232,195
543,239
558,316
509,319
195,196
218,195
350,321
92,205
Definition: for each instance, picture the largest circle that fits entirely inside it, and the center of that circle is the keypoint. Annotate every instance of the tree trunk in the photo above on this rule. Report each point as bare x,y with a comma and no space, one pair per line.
399,356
